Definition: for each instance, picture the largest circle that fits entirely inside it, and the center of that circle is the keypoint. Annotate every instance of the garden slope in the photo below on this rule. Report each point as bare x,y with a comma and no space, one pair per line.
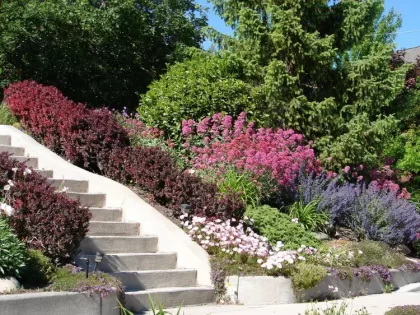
171,238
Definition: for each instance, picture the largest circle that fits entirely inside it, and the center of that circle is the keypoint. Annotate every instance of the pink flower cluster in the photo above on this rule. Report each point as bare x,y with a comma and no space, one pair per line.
224,237
219,142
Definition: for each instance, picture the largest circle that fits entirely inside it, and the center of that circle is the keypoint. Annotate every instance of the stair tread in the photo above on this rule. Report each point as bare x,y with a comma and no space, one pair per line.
155,271
171,289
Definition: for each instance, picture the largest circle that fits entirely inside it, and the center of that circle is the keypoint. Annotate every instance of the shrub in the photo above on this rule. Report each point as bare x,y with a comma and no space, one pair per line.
38,271
277,226
48,221
12,252
194,89
404,310
217,143
156,171
307,276
95,52
373,213
83,136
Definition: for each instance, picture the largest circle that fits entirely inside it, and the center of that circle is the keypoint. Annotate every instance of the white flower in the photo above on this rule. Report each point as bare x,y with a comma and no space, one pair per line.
330,287
7,187
64,189
14,169
295,220
8,210
360,252
11,183
191,171
27,171
260,261
335,290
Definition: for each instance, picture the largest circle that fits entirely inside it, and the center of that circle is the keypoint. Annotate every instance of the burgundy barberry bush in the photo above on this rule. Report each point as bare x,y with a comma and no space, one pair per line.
45,220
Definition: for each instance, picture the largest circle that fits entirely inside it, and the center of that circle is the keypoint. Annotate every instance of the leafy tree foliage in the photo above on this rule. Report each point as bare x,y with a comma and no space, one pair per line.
100,52
320,67
199,87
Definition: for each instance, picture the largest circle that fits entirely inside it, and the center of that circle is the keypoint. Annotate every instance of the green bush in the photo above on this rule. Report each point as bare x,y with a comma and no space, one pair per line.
377,253
197,88
6,116
404,310
306,276
13,254
38,271
277,226
100,52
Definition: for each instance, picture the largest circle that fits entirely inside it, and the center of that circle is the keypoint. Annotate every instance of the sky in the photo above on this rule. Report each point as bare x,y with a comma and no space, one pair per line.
409,10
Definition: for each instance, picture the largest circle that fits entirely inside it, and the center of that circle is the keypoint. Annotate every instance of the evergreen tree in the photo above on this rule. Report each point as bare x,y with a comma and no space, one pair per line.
323,67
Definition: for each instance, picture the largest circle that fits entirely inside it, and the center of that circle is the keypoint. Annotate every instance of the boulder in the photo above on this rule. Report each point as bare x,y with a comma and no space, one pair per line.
8,284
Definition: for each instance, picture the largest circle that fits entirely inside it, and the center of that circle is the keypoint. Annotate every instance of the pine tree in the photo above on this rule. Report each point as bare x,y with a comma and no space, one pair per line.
323,68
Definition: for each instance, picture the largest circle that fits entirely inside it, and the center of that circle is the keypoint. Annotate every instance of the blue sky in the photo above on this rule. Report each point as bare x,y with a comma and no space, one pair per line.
409,9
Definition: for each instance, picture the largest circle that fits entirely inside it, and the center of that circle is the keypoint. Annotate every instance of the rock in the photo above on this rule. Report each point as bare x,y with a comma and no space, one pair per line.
403,249
346,234
8,284
321,236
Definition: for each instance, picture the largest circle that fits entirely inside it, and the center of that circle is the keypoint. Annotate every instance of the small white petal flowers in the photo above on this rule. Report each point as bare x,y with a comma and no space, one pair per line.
8,210
27,171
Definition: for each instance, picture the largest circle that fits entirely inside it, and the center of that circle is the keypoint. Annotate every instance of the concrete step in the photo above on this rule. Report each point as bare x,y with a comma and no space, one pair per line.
119,244
153,279
79,186
169,297
106,214
134,262
45,173
104,228
12,150
6,140
28,161
88,200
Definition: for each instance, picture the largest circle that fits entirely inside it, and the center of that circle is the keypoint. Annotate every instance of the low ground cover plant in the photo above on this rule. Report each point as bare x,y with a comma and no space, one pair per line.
404,310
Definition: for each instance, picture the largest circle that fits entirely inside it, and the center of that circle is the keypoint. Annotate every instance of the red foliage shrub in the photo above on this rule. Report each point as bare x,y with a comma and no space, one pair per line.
155,171
45,220
84,136
94,140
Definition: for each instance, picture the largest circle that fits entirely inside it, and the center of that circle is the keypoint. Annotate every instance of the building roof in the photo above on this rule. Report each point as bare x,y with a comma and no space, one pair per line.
411,54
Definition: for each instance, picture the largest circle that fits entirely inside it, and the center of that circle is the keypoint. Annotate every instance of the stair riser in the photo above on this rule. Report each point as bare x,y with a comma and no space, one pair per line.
90,245
89,200
133,281
114,229
5,140
99,214
116,263
139,302
45,173
12,150
79,186
29,162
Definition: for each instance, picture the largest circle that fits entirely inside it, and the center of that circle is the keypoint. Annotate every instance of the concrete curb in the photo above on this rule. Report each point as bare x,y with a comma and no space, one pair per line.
63,303
265,290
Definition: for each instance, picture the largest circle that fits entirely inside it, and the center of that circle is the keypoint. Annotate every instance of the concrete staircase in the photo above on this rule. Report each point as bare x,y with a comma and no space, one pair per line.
130,256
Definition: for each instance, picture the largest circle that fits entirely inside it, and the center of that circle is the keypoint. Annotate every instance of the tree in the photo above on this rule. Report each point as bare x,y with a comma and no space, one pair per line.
323,68
102,52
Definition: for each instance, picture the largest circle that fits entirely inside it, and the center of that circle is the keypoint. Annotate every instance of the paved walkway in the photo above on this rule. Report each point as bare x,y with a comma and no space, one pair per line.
375,304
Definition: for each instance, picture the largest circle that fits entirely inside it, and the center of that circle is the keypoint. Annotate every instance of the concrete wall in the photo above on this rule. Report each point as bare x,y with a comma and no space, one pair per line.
279,290
171,237
62,303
